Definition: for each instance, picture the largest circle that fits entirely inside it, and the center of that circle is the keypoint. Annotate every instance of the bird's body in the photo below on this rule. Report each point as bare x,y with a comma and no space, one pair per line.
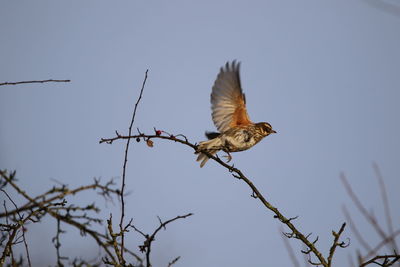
237,132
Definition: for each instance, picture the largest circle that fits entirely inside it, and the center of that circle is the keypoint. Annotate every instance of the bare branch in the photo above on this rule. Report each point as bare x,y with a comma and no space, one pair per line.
239,175
388,260
42,81
62,193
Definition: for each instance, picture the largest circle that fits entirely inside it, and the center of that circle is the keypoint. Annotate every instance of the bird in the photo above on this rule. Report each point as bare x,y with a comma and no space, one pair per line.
236,132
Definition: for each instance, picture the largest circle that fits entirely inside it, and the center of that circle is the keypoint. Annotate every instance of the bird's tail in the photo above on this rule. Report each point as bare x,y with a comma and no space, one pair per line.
204,158
212,147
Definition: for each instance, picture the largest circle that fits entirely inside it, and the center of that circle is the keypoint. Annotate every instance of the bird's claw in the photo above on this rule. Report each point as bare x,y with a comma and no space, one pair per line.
228,157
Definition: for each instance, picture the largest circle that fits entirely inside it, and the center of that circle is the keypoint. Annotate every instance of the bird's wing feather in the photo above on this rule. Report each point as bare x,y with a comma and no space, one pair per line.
228,102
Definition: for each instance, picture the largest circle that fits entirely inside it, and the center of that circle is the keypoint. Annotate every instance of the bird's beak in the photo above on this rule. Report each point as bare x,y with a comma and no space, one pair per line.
273,131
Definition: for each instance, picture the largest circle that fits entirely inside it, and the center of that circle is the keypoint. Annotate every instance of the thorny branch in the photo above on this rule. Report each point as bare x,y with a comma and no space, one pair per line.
237,174
57,244
311,248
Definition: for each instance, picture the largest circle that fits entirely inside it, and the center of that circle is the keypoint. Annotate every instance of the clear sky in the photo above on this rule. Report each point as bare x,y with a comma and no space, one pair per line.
325,74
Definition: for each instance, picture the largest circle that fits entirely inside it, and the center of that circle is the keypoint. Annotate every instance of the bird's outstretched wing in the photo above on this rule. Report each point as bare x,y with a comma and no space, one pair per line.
228,103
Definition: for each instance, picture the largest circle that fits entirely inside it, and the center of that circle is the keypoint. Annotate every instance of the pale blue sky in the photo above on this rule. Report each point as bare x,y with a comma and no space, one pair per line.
325,74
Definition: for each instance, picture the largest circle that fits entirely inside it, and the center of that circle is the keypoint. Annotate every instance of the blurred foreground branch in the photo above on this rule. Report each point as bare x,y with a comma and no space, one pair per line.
373,254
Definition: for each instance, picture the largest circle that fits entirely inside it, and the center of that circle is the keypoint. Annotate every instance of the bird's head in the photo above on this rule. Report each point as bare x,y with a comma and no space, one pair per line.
266,128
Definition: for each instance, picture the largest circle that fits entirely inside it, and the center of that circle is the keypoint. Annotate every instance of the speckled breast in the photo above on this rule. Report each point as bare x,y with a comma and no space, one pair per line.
240,139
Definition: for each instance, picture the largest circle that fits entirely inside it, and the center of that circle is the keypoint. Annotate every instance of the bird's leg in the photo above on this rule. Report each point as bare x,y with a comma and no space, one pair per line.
228,156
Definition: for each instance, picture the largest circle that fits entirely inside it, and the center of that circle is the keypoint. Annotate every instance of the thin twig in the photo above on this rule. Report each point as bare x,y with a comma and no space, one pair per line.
336,243
174,261
146,247
121,222
57,244
42,81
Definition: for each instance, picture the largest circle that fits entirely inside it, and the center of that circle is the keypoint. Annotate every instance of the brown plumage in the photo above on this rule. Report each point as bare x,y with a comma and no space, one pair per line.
229,114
